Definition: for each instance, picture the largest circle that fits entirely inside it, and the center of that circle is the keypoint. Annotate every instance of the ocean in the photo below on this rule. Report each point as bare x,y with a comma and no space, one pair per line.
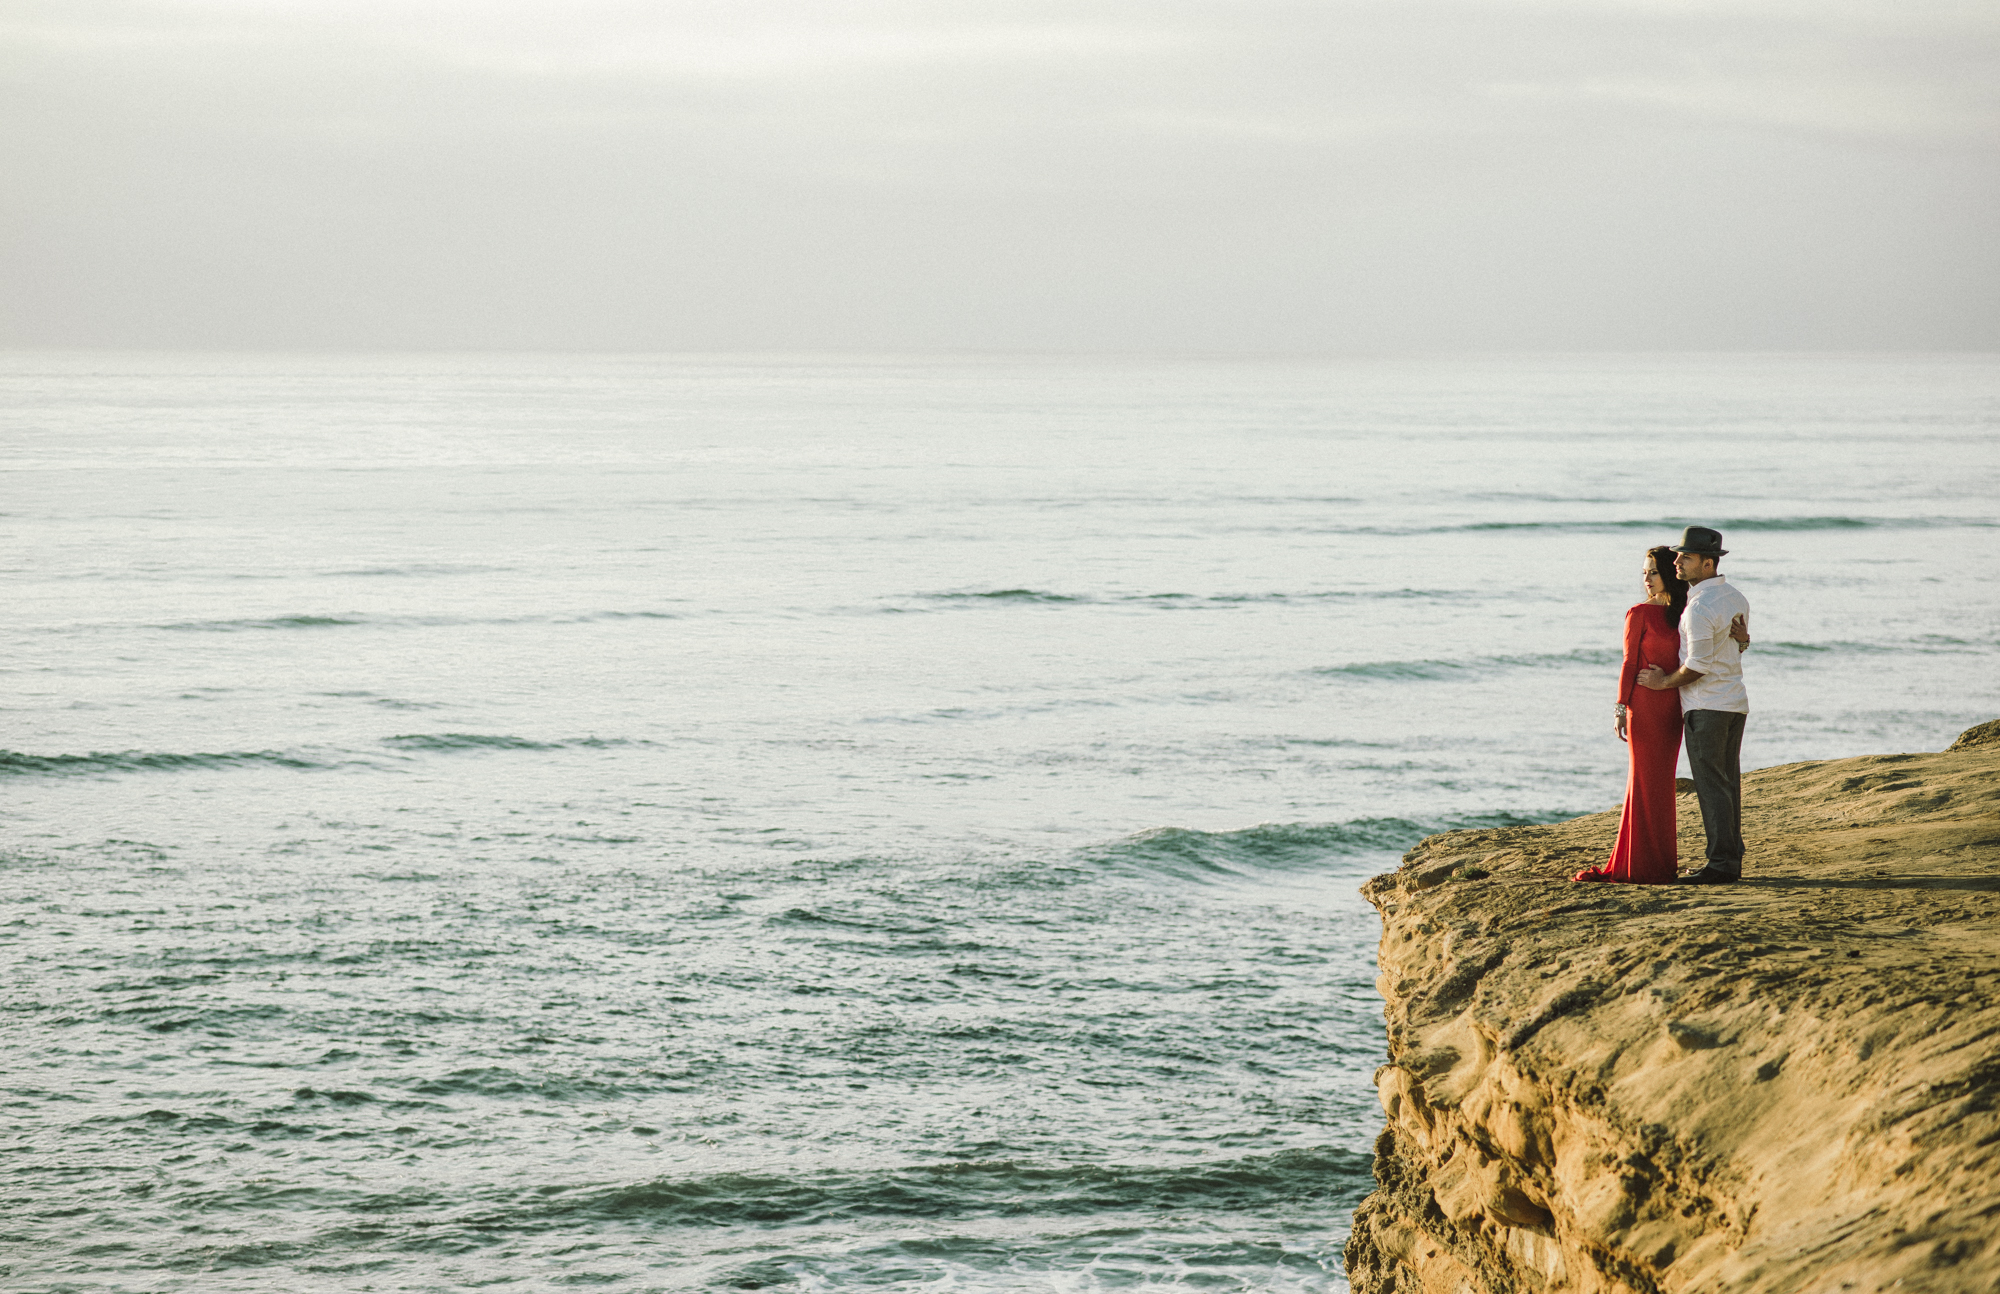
815,823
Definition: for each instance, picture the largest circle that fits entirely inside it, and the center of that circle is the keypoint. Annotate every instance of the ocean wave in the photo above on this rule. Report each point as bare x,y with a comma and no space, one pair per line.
353,619
1338,1178
971,1263
1434,670
1670,526
154,761
809,918
180,1124
420,569
1320,1180
445,741
264,622
1818,649
1400,670
589,617
1188,854
1004,595
495,1081
1927,645
1347,595
1186,601
22,764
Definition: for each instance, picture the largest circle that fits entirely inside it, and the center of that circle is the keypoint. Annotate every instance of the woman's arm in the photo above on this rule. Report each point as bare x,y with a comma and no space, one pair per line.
1628,669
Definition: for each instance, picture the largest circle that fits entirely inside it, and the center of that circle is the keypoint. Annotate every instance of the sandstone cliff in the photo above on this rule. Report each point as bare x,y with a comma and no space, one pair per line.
1790,1084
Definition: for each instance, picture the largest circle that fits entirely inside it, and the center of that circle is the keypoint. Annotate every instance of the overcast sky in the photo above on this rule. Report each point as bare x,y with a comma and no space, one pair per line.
1205,175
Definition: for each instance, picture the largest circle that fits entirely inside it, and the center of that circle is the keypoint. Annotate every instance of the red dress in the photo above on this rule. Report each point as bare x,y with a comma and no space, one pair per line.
1646,851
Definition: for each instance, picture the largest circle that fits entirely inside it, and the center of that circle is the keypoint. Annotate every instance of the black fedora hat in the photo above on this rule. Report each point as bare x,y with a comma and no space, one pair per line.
1701,542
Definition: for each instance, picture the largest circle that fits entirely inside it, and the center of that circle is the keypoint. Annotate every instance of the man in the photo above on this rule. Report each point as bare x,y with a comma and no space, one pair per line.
1714,705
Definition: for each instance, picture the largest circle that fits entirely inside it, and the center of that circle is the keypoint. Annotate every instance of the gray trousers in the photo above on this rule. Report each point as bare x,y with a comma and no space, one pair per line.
1714,744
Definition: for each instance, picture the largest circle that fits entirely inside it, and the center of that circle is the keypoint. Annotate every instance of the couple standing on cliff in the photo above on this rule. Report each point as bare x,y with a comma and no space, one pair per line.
1682,676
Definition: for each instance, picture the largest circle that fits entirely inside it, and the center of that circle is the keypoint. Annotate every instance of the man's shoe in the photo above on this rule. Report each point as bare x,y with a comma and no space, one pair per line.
1707,876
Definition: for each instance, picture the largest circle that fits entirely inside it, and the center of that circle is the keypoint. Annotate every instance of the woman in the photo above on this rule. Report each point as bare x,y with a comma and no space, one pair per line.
1650,723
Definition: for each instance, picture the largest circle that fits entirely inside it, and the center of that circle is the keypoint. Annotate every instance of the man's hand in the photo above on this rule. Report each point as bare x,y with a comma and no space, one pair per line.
1652,677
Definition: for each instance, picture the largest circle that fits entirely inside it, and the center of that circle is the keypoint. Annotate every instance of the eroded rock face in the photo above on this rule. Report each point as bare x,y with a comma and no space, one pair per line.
1789,1084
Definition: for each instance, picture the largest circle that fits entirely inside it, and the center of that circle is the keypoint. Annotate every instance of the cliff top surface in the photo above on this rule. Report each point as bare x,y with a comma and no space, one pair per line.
1791,1083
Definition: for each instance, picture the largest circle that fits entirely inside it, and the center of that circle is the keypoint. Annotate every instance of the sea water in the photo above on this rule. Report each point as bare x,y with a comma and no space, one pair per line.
658,823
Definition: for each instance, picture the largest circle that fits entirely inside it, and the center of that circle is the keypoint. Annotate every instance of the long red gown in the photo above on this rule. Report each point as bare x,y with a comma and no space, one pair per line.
1646,850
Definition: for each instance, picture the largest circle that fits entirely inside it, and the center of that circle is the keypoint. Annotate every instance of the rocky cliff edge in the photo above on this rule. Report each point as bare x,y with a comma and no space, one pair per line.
1789,1084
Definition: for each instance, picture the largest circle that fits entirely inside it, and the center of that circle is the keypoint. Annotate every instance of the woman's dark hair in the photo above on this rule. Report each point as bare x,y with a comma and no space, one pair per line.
1676,587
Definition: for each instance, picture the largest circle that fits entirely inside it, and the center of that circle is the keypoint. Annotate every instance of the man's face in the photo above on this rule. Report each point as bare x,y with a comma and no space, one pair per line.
1691,568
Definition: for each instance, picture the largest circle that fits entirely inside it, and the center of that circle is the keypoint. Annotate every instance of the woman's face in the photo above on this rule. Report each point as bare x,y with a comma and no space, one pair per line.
1655,590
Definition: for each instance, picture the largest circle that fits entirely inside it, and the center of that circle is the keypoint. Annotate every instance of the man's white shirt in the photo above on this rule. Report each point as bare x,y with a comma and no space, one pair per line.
1707,647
